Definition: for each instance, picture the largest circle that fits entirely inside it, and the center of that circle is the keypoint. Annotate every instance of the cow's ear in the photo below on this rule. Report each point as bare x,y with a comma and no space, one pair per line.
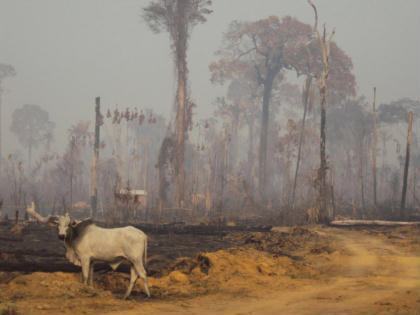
73,223
52,221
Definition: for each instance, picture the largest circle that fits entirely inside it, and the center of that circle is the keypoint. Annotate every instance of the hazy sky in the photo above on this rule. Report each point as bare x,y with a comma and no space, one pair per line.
67,52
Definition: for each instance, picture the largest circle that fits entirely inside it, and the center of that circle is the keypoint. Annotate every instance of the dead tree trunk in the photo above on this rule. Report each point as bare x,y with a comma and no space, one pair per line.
361,177
165,159
1,133
30,155
407,162
323,162
72,147
262,176
414,185
181,128
95,160
324,44
224,165
374,150
250,152
306,96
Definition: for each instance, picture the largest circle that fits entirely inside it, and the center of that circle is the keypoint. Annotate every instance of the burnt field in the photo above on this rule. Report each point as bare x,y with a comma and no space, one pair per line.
34,247
352,270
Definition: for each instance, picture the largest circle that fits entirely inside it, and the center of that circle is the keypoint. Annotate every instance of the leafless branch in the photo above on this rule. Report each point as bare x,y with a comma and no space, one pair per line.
245,53
316,14
38,217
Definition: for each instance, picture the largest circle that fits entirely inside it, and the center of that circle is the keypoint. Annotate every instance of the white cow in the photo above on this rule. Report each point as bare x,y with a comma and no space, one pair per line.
87,243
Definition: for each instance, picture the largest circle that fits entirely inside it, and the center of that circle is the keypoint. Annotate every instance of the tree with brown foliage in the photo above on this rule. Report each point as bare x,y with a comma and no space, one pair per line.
258,49
308,60
178,17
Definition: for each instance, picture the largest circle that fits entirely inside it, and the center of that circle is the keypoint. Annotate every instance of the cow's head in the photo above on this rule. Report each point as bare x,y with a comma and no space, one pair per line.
68,229
65,226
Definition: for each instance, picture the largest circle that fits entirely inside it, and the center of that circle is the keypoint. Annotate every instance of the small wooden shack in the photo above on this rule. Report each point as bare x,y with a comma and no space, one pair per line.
136,197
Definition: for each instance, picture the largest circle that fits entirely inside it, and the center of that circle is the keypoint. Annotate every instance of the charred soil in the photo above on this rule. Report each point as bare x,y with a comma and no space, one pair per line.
289,271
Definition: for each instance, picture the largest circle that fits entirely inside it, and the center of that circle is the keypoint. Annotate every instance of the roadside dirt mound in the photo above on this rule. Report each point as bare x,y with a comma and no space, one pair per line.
234,270
49,285
255,260
295,243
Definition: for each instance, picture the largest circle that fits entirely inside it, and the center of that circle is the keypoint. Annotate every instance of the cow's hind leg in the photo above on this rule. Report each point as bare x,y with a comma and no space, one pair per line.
133,279
142,274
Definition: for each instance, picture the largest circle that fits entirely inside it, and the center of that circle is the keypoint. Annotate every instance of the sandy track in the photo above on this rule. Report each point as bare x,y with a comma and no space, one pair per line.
373,277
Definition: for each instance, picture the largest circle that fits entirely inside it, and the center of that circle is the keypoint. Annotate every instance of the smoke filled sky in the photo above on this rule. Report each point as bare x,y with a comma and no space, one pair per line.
68,52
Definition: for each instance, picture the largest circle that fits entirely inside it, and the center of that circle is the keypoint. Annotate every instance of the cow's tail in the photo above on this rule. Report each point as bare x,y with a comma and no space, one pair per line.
145,252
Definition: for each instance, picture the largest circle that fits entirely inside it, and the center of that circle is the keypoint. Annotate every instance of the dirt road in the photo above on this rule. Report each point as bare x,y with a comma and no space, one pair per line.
373,277
365,272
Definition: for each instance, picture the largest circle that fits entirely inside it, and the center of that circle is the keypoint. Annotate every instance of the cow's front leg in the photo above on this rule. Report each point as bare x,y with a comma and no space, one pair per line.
85,269
91,270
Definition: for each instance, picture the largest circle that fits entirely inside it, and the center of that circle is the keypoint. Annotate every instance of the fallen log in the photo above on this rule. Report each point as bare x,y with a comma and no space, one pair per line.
349,223
201,229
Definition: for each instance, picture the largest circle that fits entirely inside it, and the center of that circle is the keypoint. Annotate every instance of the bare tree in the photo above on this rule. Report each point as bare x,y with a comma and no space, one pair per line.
32,126
178,17
407,162
374,149
5,72
16,177
324,44
95,159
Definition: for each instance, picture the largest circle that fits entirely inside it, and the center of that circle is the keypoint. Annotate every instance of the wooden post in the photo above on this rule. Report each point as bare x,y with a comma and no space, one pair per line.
407,162
374,149
95,159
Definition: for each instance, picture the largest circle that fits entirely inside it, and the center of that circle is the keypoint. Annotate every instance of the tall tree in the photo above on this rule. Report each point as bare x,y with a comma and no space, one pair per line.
324,45
395,114
308,61
178,17
374,149
258,49
5,72
32,126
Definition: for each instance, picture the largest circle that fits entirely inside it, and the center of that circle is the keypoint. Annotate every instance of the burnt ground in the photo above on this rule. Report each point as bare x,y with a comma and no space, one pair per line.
36,248
314,270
